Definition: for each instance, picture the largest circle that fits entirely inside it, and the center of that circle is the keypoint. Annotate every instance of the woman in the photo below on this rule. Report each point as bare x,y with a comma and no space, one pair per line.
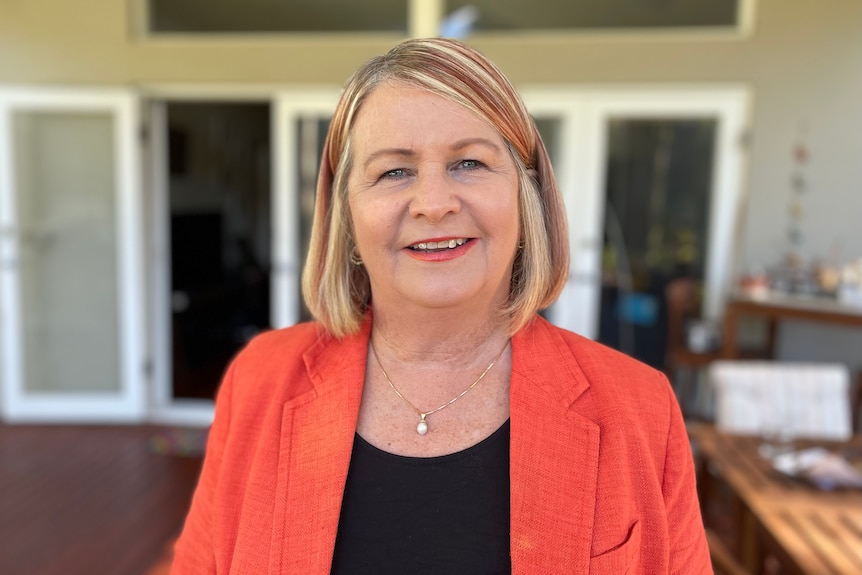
430,421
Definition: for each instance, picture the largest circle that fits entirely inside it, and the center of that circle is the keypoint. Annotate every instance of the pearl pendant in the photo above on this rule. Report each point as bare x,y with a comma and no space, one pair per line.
422,426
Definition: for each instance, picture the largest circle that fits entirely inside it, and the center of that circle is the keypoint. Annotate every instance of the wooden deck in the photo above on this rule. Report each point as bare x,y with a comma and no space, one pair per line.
92,499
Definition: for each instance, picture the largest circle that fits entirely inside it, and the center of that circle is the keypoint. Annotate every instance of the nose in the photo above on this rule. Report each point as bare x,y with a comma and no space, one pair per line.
435,195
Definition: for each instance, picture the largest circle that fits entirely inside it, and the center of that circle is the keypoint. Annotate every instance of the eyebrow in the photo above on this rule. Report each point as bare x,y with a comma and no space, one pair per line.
408,152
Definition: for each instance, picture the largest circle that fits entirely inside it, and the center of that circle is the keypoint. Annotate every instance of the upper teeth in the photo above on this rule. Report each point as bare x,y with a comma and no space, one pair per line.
439,245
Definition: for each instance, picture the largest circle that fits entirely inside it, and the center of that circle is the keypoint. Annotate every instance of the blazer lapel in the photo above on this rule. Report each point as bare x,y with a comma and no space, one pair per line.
317,432
554,457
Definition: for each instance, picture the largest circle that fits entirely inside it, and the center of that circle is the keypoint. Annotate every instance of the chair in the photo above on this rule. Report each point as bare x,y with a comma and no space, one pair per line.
856,408
682,364
683,306
810,400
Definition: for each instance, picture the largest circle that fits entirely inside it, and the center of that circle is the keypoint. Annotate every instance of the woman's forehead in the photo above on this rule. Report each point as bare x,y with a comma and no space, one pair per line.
403,113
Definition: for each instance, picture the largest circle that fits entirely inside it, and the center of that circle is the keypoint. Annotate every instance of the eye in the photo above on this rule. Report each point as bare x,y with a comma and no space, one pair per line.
470,164
393,174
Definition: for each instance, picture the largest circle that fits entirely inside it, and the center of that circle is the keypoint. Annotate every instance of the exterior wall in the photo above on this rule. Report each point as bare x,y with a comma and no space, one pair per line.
803,62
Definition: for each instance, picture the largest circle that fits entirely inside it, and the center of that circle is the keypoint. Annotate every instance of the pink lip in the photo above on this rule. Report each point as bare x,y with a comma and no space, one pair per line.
442,255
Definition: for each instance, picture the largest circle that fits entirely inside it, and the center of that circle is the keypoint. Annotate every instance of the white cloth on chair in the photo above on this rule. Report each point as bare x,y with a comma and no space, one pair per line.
806,400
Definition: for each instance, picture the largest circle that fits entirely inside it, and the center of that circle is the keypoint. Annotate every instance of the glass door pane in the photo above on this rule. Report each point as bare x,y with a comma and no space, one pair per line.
658,190
220,216
65,168
550,129
311,135
71,299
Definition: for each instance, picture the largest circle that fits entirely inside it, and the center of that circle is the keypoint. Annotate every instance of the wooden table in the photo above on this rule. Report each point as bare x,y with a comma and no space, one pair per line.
775,308
810,532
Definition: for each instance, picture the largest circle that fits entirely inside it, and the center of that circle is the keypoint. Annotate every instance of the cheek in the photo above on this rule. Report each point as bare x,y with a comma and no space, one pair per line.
356,206
369,220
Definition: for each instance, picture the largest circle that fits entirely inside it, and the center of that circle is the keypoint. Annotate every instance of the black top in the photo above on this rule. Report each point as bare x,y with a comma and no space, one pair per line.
424,515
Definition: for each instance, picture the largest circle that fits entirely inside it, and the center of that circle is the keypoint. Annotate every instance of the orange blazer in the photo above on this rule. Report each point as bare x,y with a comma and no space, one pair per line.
602,477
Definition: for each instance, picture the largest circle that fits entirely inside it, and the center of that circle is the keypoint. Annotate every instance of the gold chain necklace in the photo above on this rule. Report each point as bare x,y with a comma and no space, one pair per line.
422,426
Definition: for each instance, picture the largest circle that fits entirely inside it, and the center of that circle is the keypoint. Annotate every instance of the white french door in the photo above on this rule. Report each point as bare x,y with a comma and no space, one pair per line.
298,123
579,122
301,120
561,119
71,301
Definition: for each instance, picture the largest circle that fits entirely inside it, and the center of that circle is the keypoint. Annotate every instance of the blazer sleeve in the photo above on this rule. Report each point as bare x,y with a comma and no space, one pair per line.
689,552
195,553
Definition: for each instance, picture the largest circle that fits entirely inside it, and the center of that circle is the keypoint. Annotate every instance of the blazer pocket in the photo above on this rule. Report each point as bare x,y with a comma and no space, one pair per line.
622,558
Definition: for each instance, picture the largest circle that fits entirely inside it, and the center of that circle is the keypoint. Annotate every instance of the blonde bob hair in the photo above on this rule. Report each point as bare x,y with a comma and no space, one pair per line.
338,292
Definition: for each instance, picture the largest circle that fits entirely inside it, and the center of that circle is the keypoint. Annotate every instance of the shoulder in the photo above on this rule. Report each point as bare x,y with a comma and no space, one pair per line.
598,362
272,365
281,342
609,383
631,404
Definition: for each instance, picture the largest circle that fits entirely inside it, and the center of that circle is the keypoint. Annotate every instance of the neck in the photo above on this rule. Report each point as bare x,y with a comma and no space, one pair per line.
432,359
433,337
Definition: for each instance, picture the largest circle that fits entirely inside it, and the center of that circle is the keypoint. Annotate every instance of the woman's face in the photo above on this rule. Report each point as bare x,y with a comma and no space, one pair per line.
433,195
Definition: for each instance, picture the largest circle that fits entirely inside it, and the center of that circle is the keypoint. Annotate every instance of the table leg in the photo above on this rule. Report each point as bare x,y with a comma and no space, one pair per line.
729,334
771,330
750,549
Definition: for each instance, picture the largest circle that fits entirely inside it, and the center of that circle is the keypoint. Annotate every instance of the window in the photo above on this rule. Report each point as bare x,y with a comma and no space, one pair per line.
391,16
268,16
605,15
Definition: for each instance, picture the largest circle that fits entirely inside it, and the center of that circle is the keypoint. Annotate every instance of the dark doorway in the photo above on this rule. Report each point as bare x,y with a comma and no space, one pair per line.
220,230
657,198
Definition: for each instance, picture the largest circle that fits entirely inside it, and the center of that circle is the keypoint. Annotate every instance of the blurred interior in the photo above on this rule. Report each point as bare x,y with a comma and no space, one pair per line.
157,176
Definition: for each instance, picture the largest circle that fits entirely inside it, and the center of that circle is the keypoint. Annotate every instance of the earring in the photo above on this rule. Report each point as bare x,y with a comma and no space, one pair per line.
354,258
521,245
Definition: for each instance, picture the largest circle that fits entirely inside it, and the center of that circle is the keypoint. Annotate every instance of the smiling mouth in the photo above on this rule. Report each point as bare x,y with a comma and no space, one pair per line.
437,246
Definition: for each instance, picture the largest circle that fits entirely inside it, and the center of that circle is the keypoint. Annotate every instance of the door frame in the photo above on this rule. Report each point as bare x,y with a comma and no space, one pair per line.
290,107
584,112
286,105
129,403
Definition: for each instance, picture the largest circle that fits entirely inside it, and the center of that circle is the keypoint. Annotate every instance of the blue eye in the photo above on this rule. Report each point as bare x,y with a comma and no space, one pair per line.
394,174
470,164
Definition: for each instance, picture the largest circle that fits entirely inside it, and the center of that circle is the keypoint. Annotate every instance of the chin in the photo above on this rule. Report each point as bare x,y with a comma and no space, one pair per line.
454,297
